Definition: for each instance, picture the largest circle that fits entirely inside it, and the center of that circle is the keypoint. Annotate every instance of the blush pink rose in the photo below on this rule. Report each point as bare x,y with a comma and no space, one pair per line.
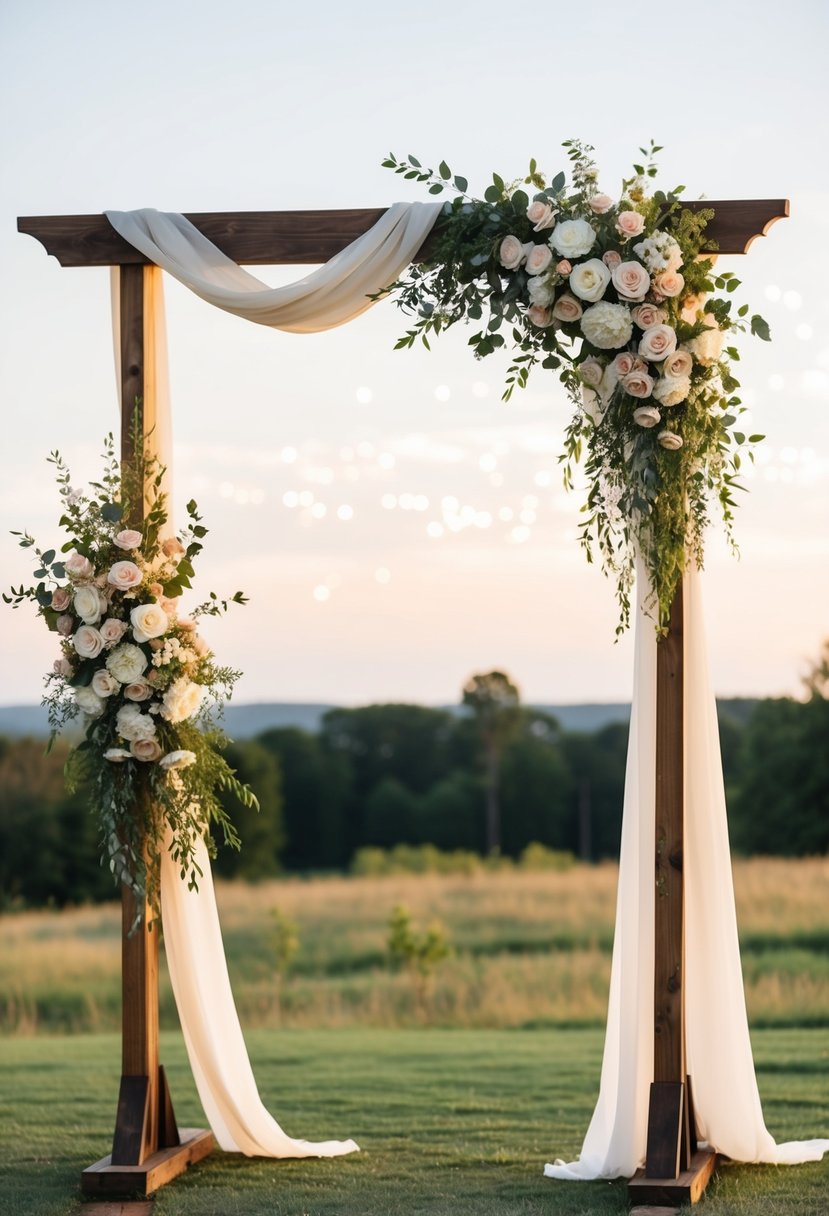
187,625
623,363
567,308
611,259
647,314
88,642
147,750
64,625
540,316
678,365
591,372
78,566
112,630
61,598
600,203
646,415
668,284
138,691
172,547
124,575
129,538
538,259
564,267
657,342
630,223
62,667
541,215
156,589
631,280
638,384
511,253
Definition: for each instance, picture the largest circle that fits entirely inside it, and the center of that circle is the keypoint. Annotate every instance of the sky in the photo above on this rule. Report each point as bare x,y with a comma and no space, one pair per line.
396,525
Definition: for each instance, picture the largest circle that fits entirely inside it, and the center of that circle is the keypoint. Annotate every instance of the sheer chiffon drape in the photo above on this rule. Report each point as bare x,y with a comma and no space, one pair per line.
729,1115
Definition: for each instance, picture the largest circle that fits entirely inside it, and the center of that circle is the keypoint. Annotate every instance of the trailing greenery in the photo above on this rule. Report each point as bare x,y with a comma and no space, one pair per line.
565,278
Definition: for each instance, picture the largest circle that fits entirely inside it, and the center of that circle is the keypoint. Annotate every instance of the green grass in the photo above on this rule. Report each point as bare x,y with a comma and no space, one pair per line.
451,1123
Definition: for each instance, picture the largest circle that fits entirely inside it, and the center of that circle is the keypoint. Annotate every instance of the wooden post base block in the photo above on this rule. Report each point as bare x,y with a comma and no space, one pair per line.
687,1187
104,1178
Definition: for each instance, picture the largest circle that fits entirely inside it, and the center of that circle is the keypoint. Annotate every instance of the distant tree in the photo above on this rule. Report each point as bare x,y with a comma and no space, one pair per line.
597,769
495,703
262,832
536,787
391,813
449,813
316,788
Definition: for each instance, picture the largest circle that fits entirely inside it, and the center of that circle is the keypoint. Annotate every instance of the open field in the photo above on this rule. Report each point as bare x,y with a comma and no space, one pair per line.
530,949
450,1123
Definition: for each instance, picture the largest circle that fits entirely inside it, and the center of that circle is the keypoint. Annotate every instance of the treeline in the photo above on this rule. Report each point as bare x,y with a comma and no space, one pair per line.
498,777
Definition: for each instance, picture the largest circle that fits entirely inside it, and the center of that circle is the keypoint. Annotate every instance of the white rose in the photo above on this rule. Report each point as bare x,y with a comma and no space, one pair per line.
646,415
104,683
132,724
573,238
657,342
181,700
87,604
670,440
511,253
538,259
588,280
128,539
127,663
607,326
178,759
707,348
631,280
88,642
541,215
148,621
672,390
89,701
116,755
540,292
567,308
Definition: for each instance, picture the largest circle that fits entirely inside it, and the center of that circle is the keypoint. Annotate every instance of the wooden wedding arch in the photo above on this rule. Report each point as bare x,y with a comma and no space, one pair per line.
148,1149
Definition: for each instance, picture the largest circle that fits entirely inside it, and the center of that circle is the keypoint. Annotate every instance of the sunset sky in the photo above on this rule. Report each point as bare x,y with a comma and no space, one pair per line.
396,525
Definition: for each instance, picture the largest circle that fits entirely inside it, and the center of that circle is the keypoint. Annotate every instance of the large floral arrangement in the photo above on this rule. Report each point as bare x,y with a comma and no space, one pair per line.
138,673
615,296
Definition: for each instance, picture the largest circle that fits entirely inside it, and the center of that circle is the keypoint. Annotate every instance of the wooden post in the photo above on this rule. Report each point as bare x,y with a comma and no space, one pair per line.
147,1149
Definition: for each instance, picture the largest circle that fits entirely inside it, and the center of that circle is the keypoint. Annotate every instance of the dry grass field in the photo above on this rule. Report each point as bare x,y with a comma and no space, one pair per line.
529,948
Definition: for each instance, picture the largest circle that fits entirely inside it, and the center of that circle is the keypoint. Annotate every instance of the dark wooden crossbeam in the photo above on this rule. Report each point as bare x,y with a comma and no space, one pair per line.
311,237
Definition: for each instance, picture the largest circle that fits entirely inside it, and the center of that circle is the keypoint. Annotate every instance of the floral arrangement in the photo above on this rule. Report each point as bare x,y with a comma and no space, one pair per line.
140,675
615,296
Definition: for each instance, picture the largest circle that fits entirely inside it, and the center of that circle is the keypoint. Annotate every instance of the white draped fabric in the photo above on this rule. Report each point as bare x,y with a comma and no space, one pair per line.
192,934
718,1046
720,1063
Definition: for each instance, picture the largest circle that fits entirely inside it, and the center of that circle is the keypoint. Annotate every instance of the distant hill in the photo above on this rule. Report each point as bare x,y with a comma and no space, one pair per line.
246,721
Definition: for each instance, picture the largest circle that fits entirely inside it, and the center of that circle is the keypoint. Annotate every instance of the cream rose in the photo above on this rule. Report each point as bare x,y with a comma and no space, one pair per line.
540,292
573,238
672,391
132,724
637,384
112,630
104,683
631,280
591,371
678,365
116,755
645,315
124,575
148,621
88,700
707,347
588,280
630,223
88,642
61,599
178,759
145,749
510,255
657,342
78,566
542,317
181,700
86,603
538,259
646,415
607,326
567,308
128,539
668,284
600,203
127,663
541,215
670,440
139,691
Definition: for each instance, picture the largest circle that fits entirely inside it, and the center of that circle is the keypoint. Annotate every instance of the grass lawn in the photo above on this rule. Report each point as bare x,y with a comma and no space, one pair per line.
451,1122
